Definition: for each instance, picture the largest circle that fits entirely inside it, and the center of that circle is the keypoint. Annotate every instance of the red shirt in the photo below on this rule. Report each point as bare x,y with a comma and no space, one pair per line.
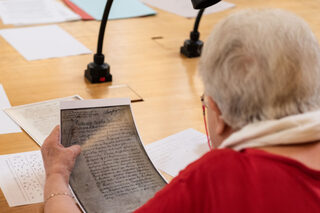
248,181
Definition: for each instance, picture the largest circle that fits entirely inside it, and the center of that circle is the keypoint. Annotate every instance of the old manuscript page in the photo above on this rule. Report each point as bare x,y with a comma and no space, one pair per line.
38,119
113,172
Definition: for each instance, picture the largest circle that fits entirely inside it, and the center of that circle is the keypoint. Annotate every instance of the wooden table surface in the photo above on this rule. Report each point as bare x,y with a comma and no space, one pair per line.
144,54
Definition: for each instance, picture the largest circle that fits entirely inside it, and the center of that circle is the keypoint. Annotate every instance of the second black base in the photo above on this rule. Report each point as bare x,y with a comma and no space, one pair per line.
191,49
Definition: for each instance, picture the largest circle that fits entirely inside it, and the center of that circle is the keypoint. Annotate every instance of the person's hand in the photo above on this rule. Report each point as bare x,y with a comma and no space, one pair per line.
57,159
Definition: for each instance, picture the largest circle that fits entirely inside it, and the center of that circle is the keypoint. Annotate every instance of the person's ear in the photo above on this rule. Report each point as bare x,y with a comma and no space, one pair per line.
220,124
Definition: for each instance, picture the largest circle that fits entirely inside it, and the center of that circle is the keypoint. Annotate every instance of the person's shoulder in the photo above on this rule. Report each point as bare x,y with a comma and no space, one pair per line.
220,158
217,161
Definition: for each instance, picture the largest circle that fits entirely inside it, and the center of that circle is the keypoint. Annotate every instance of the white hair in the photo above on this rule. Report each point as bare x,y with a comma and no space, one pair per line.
260,65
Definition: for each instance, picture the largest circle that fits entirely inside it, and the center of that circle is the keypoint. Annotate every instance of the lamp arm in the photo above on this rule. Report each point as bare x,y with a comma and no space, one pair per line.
103,26
197,22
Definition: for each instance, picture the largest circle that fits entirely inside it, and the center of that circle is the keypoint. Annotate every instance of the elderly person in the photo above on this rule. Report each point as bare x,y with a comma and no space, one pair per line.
261,74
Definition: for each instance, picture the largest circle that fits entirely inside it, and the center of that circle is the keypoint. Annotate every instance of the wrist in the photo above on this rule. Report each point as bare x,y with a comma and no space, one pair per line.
55,183
57,179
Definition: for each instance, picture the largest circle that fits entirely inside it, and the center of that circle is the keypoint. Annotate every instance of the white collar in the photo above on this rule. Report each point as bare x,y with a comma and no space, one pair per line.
294,129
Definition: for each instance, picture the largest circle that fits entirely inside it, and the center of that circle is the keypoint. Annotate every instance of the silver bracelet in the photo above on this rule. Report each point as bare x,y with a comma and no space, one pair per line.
58,194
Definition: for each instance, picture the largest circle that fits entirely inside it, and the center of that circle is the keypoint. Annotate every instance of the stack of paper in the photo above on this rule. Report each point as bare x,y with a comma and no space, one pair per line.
27,12
184,7
174,153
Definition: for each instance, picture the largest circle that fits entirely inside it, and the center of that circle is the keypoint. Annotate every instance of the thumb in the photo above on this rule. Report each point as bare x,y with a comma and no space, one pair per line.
76,149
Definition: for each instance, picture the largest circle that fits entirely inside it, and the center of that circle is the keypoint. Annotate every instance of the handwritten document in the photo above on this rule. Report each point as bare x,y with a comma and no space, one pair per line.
174,153
38,119
22,178
113,172
6,124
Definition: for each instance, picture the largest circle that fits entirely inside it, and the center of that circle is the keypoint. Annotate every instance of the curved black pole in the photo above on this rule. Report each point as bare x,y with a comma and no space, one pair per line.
198,19
103,26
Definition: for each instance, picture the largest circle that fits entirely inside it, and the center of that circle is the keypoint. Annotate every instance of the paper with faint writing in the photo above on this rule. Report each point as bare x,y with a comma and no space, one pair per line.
22,178
172,154
113,172
38,119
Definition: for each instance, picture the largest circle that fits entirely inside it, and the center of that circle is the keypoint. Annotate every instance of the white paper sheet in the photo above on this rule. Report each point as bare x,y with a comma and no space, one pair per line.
27,12
22,178
6,124
184,7
174,153
38,119
43,42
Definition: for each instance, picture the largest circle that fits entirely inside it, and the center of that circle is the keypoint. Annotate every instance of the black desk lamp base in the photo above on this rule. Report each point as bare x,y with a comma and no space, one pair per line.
98,71
192,47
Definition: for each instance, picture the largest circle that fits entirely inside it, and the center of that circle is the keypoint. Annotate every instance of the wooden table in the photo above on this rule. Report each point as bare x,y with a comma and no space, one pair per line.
144,54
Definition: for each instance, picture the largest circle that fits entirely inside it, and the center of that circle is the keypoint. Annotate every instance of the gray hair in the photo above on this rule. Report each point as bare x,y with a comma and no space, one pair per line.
260,65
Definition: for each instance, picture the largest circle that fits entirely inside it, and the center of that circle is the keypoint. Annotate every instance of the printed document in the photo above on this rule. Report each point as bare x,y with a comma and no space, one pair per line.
22,178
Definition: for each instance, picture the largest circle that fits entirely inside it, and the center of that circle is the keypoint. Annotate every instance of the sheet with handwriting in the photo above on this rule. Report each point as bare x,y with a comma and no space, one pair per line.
38,119
113,172
22,178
